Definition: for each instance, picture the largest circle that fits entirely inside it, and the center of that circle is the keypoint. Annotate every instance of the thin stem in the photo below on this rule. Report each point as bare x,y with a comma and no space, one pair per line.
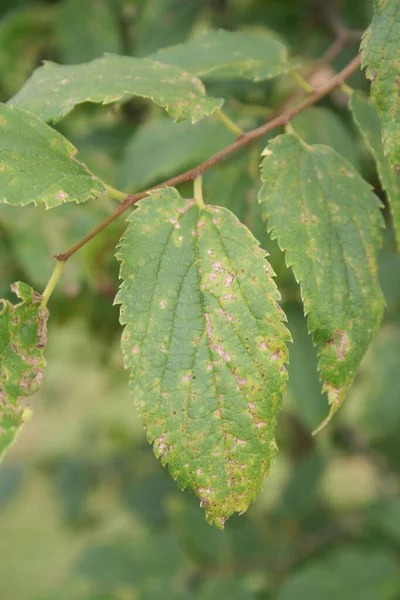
307,87
290,129
198,190
346,89
229,124
279,121
55,276
113,192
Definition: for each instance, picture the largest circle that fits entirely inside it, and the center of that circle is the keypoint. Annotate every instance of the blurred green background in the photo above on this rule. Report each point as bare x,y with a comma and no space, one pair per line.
86,511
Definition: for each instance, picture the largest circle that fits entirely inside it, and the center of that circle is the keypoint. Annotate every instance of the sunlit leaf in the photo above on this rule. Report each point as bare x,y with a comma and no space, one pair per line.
22,341
54,90
37,164
328,222
205,345
367,120
381,57
253,55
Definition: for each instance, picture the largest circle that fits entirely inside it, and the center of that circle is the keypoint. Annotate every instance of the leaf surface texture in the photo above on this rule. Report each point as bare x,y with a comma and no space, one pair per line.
381,57
367,120
328,221
23,329
256,56
54,90
205,344
37,164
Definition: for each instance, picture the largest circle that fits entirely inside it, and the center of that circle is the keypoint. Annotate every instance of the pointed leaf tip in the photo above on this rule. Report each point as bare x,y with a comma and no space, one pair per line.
328,221
204,341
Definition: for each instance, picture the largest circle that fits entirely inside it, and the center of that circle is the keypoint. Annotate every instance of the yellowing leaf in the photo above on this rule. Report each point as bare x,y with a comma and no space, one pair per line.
381,57
327,220
54,90
37,164
253,55
23,330
205,345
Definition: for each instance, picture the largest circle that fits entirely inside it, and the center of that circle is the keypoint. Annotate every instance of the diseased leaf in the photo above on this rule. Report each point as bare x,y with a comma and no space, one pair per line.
54,90
205,345
22,340
253,55
381,57
367,120
328,222
37,164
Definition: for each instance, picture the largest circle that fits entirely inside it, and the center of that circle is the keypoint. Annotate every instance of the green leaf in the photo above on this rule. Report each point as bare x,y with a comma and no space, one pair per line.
328,222
23,35
254,55
319,125
162,148
381,57
54,90
35,235
385,517
347,573
381,415
37,164
300,498
216,588
86,34
143,561
22,340
175,19
304,385
367,120
205,345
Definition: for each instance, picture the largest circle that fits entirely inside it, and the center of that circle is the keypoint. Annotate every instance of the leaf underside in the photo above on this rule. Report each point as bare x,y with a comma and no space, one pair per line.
23,330
54,90
205,344
328,222
37,164
254,55
381,57
367,120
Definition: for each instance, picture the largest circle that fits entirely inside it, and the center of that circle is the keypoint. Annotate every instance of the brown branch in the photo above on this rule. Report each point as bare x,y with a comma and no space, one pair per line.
240,142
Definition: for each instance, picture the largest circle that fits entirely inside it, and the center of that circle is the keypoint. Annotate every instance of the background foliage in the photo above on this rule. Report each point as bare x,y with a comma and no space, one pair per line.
86,511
